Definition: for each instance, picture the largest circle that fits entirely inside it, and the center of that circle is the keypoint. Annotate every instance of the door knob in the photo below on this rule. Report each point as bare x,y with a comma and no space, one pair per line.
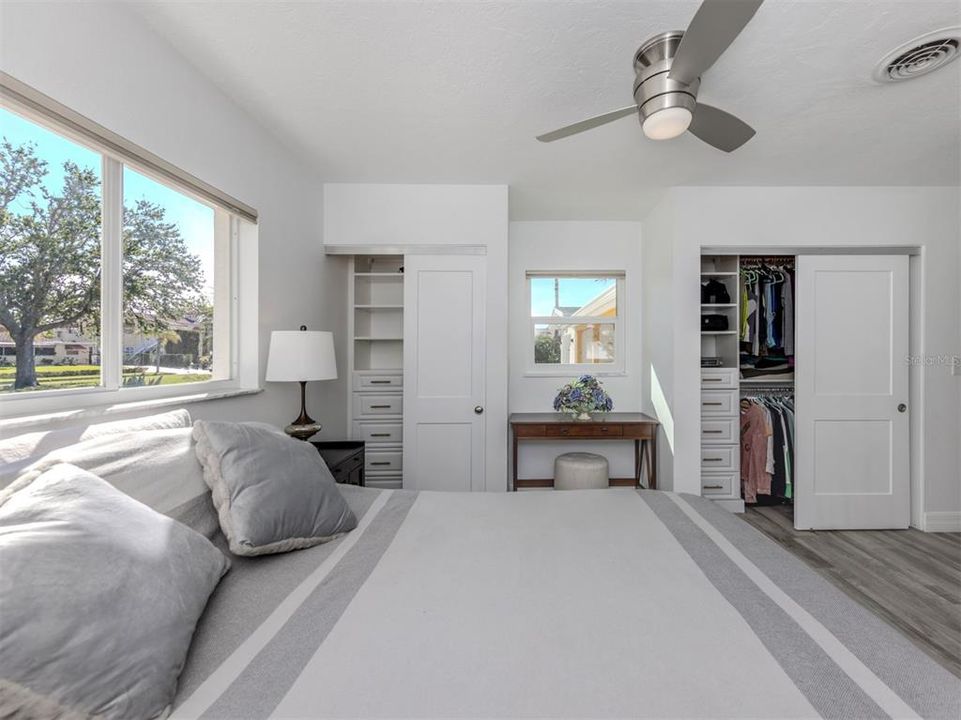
478,409
902,407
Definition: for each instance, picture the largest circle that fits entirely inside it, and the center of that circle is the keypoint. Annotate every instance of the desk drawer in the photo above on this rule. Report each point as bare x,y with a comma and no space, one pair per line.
720,431
720,483
719,378
586,431
392,433
530,430
720,457
718,403
366,405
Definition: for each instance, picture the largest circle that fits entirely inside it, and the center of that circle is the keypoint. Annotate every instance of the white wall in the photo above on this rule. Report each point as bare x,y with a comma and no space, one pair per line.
104,62
657,349
831,217
409,216
377,214
586,246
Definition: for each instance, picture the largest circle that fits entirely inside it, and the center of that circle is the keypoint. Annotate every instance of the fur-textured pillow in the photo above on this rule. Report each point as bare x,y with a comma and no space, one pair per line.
272,493
100,596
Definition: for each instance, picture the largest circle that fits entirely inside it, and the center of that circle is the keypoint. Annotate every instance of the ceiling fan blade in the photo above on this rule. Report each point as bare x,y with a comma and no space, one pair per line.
715,25
587,124
719,128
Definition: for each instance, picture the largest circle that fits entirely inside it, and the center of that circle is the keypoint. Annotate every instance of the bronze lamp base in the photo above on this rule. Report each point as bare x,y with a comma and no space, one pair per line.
304,427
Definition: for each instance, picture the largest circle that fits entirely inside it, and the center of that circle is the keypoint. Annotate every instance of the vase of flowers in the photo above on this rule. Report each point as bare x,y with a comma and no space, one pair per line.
580,397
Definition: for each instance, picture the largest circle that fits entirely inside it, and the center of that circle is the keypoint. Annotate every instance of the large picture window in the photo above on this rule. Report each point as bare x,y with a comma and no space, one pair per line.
110,276
575,322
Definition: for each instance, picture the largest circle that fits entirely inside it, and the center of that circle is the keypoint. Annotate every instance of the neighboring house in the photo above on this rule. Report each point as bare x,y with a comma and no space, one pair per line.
66,347
70,346
583,343
594,342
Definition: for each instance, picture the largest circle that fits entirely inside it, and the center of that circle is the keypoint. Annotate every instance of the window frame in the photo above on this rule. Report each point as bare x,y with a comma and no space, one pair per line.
236,358
615,368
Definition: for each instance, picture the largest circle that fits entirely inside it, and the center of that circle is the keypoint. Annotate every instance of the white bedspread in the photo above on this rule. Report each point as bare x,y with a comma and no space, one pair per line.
578,604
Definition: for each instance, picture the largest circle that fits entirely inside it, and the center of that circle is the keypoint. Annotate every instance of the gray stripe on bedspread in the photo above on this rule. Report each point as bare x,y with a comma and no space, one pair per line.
264,682
930,689
249,593
198,514
826,686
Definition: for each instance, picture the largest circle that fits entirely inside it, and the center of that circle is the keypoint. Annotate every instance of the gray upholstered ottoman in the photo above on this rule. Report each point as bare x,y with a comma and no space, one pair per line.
580,471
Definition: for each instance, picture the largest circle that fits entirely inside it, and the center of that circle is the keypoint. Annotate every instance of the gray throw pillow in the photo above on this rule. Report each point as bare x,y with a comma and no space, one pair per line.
100,598
272,493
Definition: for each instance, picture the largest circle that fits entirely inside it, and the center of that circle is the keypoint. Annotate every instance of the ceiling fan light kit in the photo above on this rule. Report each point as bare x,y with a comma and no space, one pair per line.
666,106
668,69
668,123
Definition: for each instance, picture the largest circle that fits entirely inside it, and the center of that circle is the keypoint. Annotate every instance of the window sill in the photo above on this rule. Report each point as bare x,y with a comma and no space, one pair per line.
107,408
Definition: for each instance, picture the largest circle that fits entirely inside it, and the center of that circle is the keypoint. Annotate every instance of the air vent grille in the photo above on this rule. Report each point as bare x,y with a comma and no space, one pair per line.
921,56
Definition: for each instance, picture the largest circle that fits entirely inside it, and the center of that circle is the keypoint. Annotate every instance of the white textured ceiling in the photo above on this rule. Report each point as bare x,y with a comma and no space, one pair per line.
454,92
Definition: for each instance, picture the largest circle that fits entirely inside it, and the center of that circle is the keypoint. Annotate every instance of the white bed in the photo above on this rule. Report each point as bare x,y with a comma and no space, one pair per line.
616,603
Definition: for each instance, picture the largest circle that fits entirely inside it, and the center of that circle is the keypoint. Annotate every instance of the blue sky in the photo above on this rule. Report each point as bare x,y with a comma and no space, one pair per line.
195,220
574,292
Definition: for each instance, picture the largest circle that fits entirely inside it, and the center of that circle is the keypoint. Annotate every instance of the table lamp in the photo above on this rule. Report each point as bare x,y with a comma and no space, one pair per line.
301,356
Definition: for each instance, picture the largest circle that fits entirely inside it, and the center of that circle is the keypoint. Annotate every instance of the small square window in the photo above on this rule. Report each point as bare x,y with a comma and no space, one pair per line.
575,323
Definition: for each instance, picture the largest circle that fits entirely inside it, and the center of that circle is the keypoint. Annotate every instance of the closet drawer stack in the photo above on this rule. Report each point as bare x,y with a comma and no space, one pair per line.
376,326
720,439
720,381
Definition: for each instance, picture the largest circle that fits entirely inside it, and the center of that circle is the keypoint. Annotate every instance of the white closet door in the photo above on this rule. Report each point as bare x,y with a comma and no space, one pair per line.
852,443
444,372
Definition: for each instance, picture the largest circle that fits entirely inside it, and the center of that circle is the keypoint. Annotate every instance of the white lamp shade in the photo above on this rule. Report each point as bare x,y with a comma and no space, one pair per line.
301,355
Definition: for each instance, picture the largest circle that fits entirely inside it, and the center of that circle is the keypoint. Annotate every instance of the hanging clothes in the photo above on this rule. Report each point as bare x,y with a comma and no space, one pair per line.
767,446
755,431
766,322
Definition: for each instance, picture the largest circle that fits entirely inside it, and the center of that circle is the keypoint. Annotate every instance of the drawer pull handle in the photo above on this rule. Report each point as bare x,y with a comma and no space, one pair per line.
713,459
712,432
712,404
380,382
381,462
380,434
713,487
712,379
380,407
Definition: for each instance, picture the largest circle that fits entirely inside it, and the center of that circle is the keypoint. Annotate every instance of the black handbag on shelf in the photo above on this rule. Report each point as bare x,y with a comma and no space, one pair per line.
714,322
713,292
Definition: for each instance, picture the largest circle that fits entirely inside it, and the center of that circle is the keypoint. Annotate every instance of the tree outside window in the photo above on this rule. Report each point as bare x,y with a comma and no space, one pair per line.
51,209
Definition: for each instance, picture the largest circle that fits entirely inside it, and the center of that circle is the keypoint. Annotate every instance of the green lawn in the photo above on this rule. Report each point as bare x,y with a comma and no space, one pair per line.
59,377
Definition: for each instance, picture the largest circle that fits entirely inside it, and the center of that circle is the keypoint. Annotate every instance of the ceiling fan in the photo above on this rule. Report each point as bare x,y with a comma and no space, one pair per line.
668,68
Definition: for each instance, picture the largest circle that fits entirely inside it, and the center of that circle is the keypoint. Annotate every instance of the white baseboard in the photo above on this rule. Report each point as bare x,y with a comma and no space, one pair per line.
942,521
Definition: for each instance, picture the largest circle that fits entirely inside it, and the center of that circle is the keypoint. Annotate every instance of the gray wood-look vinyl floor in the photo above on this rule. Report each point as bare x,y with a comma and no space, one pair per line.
909,578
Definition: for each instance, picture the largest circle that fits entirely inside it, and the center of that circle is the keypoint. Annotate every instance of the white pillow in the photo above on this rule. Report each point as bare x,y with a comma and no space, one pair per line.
100,597
156,467
19,451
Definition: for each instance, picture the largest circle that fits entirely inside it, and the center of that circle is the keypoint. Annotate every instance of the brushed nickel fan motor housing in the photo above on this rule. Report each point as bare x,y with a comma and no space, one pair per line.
653,89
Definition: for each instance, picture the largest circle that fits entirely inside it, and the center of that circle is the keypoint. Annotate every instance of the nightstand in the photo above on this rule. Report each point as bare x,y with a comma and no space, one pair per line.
344,458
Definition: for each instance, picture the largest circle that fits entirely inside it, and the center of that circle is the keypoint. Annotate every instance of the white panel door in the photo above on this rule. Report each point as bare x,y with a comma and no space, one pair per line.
444,372
852,393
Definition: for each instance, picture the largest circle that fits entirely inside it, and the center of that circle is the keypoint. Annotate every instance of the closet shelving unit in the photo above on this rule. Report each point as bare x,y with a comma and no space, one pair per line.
375,357
720,427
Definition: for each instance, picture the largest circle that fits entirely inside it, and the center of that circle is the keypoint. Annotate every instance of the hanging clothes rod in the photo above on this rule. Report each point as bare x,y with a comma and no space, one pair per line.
766,390
767,260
